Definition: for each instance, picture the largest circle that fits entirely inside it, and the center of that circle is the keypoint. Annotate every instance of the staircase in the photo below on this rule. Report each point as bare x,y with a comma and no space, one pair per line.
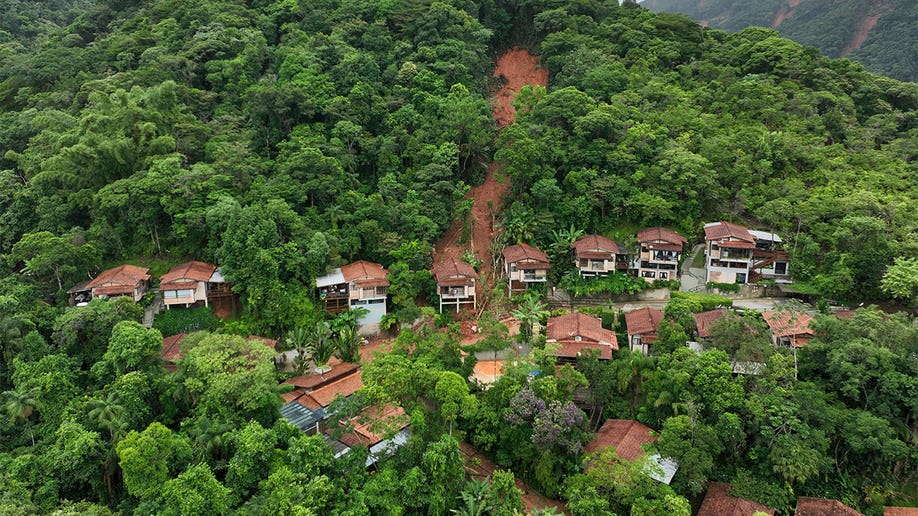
155,307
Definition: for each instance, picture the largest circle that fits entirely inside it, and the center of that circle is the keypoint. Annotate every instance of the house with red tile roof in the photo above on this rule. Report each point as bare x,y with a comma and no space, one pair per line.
455,284
190,284
718,502
642,327
577,333
382,429
788,327
628,438
124,280
807,506
704,321
660,251
523,266
359,284
597,256
728,252
735,254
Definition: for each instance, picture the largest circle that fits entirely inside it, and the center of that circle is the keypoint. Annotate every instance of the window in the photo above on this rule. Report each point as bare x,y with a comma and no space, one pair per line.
664,275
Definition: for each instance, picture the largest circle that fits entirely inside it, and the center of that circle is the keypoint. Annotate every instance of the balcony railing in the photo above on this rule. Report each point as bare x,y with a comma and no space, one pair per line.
453,293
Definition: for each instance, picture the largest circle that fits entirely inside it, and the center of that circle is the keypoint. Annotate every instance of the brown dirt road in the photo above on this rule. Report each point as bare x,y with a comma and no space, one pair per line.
518,68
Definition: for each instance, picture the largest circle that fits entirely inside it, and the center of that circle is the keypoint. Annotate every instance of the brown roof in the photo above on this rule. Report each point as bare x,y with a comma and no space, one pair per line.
728,230
366,271
900,511
388,416
659,234
188,272
567,327
171,351
571,349
704,320
718,502
515,253
643,320
785,323
625,435
292,395
114,289
122,275
314,381
807,506
448,270
345,387
589,243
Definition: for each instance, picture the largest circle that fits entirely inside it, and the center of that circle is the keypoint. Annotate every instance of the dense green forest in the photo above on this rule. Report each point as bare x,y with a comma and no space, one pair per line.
831,26
279,138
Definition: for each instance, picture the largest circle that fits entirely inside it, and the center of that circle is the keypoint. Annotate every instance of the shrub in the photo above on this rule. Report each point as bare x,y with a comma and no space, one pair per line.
724,287
186,320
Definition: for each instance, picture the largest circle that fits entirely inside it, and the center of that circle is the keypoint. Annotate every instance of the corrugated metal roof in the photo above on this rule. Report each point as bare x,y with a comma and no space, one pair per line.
334,277
302,417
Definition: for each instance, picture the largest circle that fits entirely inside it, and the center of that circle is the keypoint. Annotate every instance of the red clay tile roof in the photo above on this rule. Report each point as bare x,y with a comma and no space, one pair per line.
113,290
345,387
572,349
900,511
728,230
625,435
121,275
453,269
171,351
846,314
704,320
807,506
659,234
643,320
188,272
567,327
292,395
718,502
362,272
598,244
515,253
364,434
785,323
314,381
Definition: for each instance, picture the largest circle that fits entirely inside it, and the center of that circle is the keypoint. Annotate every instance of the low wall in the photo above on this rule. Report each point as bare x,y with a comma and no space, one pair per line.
750,291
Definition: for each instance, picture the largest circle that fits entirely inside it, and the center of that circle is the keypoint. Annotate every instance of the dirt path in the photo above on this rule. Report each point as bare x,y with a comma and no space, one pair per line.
518,68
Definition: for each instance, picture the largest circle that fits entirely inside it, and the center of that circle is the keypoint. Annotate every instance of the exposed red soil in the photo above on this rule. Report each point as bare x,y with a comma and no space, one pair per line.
784,12
863,28
518,68
480,467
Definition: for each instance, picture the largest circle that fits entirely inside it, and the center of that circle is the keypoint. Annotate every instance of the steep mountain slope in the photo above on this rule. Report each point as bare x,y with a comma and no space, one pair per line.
880,34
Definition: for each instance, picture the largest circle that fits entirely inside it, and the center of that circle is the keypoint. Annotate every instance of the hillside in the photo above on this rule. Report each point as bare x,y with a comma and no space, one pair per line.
880,34
284,140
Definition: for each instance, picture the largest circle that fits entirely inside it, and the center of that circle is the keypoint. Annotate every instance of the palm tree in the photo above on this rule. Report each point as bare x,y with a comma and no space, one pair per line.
347,345
530,310
563,238
108,414
321,346
474,498
19,405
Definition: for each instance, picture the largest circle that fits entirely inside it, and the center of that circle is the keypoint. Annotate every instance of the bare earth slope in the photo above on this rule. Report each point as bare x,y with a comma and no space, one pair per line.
518,68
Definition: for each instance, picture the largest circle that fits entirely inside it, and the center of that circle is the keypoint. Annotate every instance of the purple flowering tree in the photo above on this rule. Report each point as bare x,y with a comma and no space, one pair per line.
554,425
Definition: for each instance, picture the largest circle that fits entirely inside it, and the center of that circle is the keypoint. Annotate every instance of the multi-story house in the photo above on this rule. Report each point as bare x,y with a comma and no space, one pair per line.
596,255
524,265
362,283
455,284
660,250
